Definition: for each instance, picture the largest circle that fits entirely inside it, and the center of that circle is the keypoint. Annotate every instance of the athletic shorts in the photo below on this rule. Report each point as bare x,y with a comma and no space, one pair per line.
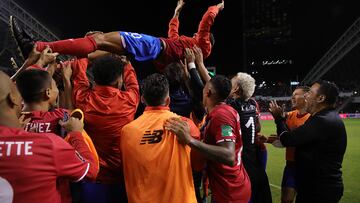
142,47
289,177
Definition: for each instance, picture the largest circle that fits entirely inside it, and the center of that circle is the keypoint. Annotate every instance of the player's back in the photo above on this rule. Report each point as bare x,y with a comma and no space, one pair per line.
248,115
28,165
228,183
45,121
156,166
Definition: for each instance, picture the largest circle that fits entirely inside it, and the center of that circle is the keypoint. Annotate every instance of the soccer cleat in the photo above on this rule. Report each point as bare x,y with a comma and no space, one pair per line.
24,40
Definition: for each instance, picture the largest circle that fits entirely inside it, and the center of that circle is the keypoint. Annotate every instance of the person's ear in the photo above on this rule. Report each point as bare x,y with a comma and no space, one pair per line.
167,101
209,93
48,93
236,91
321,98
118,83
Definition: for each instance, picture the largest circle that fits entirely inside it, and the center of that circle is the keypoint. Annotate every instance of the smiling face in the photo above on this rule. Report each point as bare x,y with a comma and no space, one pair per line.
313,99
298,99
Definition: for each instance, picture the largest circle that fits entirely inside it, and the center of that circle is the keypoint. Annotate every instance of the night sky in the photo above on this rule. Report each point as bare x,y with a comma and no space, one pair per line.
316,24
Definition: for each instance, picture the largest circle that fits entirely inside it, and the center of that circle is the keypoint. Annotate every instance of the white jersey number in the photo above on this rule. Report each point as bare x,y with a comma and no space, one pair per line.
134,35
251,124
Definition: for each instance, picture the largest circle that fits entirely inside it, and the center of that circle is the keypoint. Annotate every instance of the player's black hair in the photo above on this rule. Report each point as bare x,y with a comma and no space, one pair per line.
330,90
155,87
32,83
107,70
222,86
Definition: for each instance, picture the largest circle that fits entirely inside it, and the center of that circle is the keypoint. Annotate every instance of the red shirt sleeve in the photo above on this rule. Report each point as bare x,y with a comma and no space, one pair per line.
173,31
223,129
203,33
81,85
131,85
68,163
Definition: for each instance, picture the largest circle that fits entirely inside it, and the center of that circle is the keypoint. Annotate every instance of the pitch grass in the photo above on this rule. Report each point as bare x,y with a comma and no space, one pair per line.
351,163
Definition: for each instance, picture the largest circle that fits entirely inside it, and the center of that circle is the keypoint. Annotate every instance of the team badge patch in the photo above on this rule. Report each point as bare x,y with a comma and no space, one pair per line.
226,130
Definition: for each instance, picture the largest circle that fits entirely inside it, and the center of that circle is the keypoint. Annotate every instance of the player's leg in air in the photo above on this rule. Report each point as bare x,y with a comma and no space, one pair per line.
142,47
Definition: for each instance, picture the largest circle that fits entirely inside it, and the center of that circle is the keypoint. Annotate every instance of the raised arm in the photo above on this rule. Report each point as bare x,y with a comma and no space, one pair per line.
66,74
196,85
199,61
81,88
131,85
173,31
179,6
37,60
203,33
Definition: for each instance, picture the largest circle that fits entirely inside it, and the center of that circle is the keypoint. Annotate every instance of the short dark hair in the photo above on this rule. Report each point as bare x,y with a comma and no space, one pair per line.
330,90
31,84
154,88
222,86
107,69
303,88
174,72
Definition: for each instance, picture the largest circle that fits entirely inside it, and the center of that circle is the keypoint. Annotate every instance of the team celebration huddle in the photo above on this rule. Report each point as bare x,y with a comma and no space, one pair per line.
89,130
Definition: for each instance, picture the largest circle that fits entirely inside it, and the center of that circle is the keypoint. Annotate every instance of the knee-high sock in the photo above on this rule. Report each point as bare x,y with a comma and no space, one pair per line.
79,47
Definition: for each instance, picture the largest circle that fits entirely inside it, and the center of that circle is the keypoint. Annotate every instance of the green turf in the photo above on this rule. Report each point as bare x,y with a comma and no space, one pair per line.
351,164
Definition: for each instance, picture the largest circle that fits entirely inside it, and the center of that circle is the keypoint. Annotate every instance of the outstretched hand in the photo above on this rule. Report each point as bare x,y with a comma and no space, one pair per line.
221,6
33,56
46,57
66,70
189,55
179,6
198,55
276,110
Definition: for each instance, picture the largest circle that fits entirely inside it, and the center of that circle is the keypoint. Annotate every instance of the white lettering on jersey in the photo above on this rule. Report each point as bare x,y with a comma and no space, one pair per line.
39,127
22,148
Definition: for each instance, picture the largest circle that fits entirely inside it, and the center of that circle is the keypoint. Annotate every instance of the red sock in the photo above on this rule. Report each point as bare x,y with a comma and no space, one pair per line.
79,47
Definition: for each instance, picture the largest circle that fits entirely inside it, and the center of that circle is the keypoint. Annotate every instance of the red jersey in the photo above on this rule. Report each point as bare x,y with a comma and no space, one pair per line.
176,45
32,162
107,110
227,183
46,122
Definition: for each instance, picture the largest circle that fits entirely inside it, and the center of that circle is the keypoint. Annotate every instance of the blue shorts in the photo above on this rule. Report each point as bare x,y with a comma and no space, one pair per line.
289,177
142,47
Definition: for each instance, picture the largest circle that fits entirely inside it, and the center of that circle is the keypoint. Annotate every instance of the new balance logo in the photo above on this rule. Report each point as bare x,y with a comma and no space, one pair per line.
152,137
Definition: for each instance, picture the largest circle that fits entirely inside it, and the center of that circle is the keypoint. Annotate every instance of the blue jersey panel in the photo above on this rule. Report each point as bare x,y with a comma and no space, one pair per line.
143,47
